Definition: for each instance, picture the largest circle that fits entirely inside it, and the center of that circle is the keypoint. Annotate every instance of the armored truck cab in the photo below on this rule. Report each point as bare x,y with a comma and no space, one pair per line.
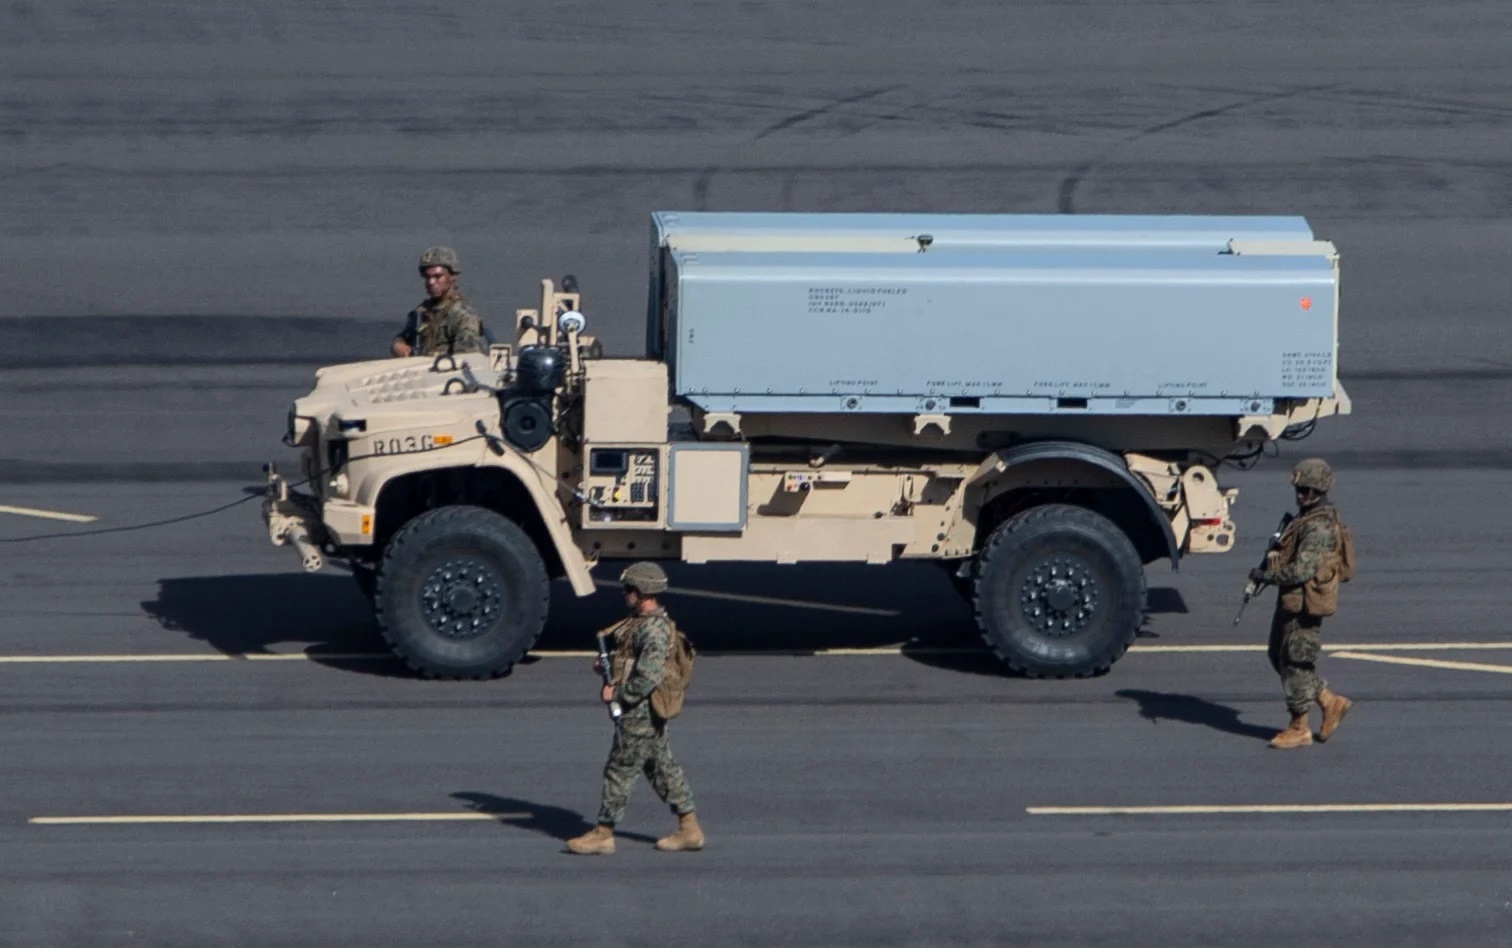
1040,405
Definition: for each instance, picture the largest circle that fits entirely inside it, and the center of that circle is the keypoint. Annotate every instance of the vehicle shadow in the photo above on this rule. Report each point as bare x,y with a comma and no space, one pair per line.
750,608
966,652
323,614
1159,705
781,609
554,821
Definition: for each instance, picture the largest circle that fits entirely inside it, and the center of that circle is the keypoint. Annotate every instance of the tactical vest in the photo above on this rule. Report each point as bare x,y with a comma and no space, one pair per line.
1318,596
432,329
624,637
435,321
667,697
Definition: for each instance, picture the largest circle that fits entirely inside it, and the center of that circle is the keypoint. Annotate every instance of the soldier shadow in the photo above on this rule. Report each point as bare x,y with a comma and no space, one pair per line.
554,821
1157,706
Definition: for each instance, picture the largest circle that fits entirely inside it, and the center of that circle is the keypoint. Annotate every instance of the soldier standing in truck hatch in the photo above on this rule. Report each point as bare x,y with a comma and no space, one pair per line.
445,324
643,647
1313,556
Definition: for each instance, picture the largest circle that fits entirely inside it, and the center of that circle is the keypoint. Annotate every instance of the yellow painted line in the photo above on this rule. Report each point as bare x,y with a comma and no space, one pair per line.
770,600
1427,663
1335,647
1418,646
1270,808
195,657
447,817
1340,650
882,650
47,514
1163,649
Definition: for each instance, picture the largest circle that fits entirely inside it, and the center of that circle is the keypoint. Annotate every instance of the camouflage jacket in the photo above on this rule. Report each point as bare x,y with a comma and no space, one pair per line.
1304,547
448,325
642,645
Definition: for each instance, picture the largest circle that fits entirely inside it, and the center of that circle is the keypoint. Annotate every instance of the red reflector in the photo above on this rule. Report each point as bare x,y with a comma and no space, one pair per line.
1210,522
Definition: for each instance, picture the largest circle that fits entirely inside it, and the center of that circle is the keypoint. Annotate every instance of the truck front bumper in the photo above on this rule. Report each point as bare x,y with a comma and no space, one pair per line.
293,519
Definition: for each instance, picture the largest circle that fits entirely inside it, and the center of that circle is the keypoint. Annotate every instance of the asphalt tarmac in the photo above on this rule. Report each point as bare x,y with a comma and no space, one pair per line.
203,203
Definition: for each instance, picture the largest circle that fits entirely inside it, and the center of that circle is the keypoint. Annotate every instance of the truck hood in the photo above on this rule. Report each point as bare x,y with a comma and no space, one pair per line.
390,395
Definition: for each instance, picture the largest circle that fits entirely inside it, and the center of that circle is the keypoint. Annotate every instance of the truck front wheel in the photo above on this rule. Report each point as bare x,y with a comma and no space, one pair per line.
462,593
1060,592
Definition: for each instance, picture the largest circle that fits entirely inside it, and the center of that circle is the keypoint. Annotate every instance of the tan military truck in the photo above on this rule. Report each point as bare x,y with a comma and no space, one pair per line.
1041,404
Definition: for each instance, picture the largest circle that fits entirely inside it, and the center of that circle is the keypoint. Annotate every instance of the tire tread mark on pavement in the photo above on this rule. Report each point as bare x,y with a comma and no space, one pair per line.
706,175
1069,184
1388,100
799,117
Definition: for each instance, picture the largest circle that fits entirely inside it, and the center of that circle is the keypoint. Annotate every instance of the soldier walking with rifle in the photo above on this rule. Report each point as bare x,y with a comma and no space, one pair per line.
1307,559
644,682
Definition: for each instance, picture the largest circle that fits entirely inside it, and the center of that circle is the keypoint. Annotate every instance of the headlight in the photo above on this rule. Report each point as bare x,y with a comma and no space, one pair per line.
336,455
297,430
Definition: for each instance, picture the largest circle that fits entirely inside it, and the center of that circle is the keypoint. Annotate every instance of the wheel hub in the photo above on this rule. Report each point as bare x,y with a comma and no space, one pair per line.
1059,596
462,598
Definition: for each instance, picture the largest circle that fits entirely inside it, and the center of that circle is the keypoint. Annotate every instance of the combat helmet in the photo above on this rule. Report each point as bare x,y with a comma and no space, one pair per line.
440,257
1314,473
645,578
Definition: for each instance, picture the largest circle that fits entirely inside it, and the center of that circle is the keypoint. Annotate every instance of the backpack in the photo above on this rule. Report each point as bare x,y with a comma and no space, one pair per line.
1346,551
667,697
1319,596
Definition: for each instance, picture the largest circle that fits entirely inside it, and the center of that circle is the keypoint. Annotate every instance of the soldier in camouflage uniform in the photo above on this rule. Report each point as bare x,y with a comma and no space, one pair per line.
445,323
642,645
1304,568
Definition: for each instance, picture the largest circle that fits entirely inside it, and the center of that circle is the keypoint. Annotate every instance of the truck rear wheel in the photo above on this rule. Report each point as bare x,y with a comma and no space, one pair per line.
1060,592
462,593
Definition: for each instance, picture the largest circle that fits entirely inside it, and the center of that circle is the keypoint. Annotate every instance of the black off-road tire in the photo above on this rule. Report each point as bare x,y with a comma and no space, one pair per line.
462,593
1081,573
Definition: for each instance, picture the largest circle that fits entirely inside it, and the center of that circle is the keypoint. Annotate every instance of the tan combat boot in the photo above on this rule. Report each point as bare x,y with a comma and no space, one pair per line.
598,841
1297,734
1334,706
689,835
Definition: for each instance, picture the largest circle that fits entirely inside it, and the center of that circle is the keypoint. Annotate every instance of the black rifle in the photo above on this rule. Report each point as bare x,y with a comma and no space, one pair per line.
1252,588
605,668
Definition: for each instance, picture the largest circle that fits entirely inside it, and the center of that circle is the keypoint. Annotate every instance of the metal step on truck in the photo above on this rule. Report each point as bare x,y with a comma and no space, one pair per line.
1039,403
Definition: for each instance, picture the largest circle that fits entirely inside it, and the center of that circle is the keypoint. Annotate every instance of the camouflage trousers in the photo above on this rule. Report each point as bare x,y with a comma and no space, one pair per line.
641,747
1295,641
